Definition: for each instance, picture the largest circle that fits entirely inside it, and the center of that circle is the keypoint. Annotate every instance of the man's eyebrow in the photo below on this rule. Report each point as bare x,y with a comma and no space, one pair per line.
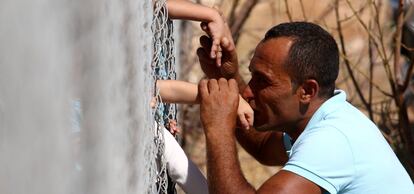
252,66
260,73
258,69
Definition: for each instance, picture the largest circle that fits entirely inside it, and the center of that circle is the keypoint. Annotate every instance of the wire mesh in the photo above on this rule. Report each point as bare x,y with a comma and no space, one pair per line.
162,69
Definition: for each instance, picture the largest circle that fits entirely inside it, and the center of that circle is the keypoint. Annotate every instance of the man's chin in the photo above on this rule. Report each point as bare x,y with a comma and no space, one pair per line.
267,127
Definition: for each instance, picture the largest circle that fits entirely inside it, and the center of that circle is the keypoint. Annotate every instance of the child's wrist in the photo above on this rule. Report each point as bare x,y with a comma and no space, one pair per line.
215,15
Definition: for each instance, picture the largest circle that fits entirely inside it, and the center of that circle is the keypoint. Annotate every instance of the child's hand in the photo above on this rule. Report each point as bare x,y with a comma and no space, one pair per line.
216,30
172,125
220,34
245,114
153,102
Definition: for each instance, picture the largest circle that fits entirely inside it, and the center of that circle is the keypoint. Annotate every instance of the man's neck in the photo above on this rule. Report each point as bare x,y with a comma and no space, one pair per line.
300,126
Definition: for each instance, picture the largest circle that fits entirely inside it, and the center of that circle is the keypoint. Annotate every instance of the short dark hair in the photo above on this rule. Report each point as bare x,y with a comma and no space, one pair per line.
313,54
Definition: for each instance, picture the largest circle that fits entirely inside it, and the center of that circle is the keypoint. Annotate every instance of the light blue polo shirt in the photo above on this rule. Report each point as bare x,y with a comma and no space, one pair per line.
342,151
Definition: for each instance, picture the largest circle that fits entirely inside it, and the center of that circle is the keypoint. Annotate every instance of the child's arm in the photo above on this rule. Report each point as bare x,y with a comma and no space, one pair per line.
174,91
181,169
187,10
213,23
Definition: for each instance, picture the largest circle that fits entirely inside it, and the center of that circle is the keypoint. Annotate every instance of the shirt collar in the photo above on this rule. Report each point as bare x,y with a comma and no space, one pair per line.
327,107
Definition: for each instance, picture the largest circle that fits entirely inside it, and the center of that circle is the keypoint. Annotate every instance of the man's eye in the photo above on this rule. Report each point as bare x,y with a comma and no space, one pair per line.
260,79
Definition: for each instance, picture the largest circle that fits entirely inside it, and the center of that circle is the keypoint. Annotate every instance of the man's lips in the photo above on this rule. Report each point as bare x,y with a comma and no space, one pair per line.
258,118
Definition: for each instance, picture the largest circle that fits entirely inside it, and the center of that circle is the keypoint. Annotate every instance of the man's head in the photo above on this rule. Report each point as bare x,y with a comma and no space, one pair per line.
313,54
293,70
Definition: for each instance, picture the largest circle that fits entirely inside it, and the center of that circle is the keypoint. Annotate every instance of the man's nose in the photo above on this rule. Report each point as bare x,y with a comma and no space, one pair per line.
247,93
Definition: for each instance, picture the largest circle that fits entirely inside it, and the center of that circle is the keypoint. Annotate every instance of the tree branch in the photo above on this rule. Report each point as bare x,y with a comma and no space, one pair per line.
232,14
408,75
288,11
303,10
397,47
346,60
371,77
243,14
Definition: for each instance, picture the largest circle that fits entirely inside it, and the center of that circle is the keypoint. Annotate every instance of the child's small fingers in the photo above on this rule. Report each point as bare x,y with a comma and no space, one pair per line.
215,47
219,11
153,102
213,51
227,44
244,123
250,119
216,41
218,58
249,115
173,128
224,42
219,53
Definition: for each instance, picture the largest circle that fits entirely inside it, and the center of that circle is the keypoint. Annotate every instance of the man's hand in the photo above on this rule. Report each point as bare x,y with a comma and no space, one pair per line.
218,106
229,63
220,33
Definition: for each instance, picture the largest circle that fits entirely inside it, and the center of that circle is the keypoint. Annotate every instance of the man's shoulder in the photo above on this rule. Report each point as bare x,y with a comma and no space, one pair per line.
343,117
319,153
338,113
321,138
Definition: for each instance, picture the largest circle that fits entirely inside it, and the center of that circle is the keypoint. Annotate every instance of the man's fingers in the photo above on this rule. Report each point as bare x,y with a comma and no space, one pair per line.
203,56
213,85
203,89
204,26
207,65
223,84
233,85
206,43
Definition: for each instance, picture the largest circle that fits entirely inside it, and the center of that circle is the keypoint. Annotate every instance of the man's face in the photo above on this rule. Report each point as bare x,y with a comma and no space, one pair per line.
270,91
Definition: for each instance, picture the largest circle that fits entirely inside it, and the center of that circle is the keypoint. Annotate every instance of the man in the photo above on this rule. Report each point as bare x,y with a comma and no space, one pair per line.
336,148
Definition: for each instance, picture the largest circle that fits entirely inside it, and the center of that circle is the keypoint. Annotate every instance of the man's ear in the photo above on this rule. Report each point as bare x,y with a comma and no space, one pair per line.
308,90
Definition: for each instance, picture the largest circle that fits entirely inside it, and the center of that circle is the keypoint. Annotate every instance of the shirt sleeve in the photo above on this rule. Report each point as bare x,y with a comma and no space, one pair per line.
181,169
323,156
